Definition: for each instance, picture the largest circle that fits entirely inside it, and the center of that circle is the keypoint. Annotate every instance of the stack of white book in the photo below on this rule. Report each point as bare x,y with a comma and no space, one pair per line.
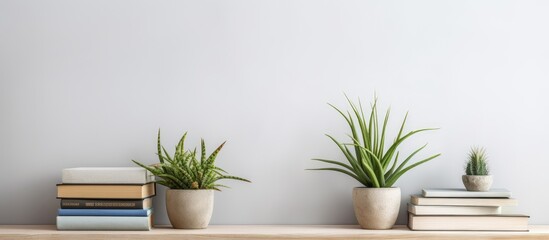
462,210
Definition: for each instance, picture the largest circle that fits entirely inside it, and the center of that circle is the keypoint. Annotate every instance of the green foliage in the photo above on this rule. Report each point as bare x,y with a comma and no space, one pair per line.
369,161
477,164
184,171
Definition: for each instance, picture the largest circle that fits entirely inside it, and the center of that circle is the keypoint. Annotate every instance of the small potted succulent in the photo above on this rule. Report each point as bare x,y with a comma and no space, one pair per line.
477,176
191,182
374,164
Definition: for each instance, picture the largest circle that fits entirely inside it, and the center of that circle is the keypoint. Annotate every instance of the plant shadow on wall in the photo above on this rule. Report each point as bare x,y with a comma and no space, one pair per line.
190,199
376,167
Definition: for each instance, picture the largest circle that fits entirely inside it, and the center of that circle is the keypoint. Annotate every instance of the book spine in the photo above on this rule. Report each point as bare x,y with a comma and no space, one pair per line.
106,191
103,223
104,212
101,204
82,176
465,195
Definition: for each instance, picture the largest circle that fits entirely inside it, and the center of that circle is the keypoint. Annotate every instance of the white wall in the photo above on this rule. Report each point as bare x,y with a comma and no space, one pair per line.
88,83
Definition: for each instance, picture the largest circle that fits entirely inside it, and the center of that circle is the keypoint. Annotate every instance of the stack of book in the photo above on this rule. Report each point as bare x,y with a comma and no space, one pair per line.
461,210
105,199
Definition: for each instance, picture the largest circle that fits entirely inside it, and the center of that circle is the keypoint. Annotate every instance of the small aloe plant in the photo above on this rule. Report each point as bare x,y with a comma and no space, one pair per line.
188,169
477,164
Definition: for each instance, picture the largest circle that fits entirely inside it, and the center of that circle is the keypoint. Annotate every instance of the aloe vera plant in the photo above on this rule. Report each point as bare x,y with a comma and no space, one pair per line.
477,164
184,171
369,160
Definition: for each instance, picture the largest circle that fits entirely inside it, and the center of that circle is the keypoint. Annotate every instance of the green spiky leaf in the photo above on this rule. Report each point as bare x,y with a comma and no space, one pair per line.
372,161
185,171
477,163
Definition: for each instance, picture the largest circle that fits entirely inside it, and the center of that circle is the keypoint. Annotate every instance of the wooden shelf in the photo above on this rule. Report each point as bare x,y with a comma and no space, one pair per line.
263,232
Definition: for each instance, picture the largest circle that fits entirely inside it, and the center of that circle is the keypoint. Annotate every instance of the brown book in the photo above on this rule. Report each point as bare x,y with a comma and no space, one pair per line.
469,223
106,203
106,191
418,200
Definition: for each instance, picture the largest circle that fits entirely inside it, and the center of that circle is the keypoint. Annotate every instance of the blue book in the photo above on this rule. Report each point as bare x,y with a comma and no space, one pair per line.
104,212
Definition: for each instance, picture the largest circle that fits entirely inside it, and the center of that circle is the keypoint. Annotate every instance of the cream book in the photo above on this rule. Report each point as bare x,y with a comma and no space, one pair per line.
418,200
452,210
469,223
107,175
463,193
102,191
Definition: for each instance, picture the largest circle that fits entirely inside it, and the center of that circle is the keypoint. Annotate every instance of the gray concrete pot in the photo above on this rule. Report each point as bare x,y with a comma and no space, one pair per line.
189,209
376,208
478,183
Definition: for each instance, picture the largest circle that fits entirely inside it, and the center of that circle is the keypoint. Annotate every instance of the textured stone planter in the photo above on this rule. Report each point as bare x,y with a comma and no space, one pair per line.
479,183
189,209
376,208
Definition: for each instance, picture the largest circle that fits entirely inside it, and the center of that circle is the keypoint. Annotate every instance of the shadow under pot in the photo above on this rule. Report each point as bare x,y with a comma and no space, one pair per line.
189,209
376,208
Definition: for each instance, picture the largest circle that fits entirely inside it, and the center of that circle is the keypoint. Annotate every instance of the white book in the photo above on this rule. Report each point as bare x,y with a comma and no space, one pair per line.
107,175
104,223
468,223
453,210
463,193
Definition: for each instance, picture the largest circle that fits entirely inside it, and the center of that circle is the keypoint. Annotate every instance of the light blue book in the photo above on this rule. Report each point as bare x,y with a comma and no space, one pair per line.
118,223
104,212
462,193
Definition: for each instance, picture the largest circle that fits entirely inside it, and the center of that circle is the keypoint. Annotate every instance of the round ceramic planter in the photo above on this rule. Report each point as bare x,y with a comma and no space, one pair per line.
376,208
479,183
189,209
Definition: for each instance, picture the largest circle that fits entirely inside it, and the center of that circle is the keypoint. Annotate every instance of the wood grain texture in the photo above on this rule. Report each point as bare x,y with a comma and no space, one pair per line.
261,232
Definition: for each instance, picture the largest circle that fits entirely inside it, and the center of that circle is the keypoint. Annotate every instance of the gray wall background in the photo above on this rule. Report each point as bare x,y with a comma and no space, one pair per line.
88,83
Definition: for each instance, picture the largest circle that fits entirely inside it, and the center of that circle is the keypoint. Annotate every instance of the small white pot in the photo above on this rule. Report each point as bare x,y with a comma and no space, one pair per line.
478,183
189,209
376,208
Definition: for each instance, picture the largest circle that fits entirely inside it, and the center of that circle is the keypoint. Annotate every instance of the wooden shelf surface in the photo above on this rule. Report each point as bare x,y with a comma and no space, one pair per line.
263,232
